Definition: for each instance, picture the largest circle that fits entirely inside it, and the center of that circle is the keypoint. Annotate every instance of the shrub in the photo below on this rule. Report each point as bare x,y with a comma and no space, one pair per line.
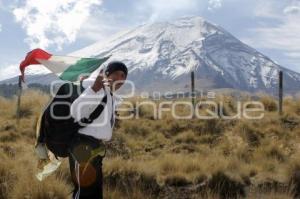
226,187
269,103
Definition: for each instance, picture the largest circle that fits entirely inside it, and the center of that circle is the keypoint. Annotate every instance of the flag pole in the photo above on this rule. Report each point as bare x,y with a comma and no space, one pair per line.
19,93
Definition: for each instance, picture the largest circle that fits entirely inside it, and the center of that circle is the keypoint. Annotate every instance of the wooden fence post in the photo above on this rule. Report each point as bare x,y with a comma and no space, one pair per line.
280,92
193,91
19,93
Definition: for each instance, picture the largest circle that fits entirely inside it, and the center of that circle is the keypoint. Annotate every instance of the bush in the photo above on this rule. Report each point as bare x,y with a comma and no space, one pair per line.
226,187
269,103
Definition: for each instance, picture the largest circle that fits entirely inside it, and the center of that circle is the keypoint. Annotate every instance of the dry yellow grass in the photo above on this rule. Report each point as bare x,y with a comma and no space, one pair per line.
166,158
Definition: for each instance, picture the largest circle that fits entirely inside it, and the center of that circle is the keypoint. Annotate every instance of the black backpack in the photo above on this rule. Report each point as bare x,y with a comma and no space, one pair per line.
58,128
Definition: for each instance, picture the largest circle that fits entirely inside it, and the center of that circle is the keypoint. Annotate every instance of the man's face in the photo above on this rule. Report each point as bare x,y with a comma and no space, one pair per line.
118,77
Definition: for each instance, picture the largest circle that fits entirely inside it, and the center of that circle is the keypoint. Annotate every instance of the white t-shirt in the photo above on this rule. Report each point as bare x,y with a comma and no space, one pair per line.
101,128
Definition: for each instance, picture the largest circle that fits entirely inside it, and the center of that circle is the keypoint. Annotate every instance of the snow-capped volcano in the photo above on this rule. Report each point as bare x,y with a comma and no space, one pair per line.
161,55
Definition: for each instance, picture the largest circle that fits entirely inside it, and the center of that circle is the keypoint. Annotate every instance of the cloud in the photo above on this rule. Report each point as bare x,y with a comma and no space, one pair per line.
292,10
101,25
293,54
53,23
12,70
0,27
267,9
105,23
214,4
164,9
282,34
9,71
285,36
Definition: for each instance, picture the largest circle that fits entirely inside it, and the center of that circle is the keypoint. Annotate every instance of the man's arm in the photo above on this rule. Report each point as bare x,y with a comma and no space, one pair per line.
87,102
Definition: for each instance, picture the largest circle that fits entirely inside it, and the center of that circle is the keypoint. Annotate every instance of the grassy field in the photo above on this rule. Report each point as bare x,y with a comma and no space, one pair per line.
166,158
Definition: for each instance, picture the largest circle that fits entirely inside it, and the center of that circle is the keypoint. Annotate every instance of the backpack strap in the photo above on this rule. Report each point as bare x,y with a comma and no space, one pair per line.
96,113
99,109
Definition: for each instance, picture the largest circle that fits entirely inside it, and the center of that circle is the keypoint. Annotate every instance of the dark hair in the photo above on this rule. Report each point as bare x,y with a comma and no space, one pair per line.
115,66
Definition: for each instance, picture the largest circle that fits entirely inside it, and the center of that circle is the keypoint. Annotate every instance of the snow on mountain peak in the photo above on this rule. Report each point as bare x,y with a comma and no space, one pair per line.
161,55
170,50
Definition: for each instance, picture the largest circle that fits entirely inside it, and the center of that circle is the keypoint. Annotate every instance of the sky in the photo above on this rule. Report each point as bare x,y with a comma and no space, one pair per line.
64,26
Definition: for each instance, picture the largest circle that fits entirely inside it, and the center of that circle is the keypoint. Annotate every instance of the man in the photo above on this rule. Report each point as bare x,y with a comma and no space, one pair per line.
87,149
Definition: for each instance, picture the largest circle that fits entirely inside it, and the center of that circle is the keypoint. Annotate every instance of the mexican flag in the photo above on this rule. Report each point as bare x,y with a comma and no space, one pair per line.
66,67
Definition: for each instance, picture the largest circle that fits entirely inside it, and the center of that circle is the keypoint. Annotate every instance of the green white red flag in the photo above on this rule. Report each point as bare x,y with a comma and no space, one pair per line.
66,67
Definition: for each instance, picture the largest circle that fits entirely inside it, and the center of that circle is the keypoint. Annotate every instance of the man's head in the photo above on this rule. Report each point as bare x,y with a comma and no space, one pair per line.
117,72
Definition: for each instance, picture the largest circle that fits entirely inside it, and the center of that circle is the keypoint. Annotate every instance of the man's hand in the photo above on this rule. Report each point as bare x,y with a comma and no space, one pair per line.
101,81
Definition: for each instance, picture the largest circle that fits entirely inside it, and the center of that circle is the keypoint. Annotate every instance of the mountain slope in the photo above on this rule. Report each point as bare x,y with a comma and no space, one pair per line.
161,55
